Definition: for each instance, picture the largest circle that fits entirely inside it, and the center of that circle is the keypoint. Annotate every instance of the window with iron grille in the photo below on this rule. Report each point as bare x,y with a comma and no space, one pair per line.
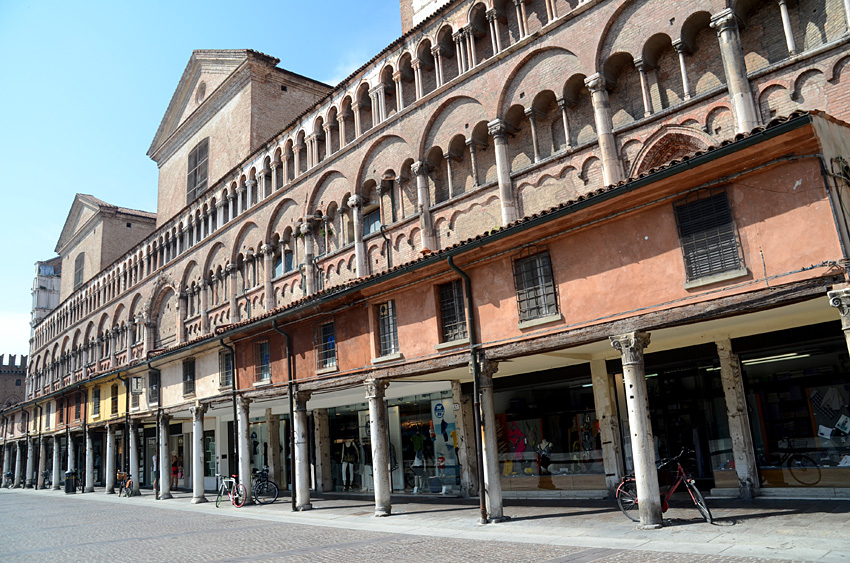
196,182
707,234
387,329
225,369
189,377
48,412
153,387
78,406
95,402
114,400
452,317
535,287
134,401
325,346
60,411
262,365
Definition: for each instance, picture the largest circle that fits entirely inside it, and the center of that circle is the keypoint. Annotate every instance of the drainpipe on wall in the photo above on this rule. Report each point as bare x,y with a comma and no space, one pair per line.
235,451
389,249
290,387
476,406
158,465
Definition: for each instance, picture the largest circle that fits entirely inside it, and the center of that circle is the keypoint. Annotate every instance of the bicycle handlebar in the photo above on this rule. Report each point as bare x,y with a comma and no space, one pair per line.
662,462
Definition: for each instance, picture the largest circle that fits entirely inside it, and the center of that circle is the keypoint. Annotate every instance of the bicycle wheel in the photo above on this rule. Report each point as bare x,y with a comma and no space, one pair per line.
804,469
128,490
240,495
218,498
627,499
699,500
265,492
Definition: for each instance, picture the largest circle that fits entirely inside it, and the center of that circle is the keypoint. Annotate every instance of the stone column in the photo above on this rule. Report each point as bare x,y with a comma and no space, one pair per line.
438,63
109,468
631,346
562,103
309,254
743,106
470,46
355,203
340,119
243,429
321,439
609,425
465,443
57,469
448,156
268,271
492,477
252,194
682,49
358,126
612,168
840,299
89,484
399,94
18,463
531,114
230,275
786,27
460,49
198,453
302,453
7,462
164,459
72,459
417,77
420,169
29,467
219,210
240,189
273,425
847,13
379,437
498,130
493,19
42,462
134,457
640,65
743,450
473,160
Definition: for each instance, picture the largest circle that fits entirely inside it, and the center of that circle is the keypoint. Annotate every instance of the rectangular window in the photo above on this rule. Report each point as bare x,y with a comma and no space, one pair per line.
95,402
707,234
48,412
153,387
60,411
535,287
78,406
79,269
196,182
225,370
325,346
262,365
189,377
452,316
134,401
372,222
114,400
387,329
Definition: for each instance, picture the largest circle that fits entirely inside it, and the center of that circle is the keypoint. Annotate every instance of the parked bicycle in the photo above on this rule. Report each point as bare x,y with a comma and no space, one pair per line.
265,491
125,484
46,478
627,498
80,484
235,492
8,480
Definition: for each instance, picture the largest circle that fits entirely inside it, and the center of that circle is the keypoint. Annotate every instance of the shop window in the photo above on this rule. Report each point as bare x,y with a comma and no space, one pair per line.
535,287
189,377
95,402
196,182
114,400
262,364
225,369
452,317
325,346
387,329
153,387
78,406
707,235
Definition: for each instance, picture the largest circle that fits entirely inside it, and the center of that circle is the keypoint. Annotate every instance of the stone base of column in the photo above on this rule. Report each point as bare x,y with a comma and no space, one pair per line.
381,512
55,488
304,507
199,500
112,492
89,489
649,527
164,496
499,519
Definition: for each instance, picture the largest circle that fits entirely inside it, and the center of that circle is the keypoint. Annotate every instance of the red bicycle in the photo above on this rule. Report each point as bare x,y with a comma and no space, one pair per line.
627,498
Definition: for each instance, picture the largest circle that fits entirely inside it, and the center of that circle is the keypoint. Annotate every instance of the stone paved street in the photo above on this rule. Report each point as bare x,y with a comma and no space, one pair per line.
52,526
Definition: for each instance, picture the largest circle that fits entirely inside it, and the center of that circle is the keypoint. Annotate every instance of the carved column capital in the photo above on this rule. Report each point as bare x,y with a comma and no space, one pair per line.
681,47
724,20
497,128
840,299
301,398
420,168
596,83
267,249
243,403
355,201
491,14
198,411
375,388
631,346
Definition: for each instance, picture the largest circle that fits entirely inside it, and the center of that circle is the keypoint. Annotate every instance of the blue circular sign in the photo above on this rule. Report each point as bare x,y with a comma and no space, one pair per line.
439,410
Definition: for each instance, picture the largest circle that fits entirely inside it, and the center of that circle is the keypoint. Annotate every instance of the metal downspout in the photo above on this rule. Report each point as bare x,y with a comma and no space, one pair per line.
290,387
476,406
235,452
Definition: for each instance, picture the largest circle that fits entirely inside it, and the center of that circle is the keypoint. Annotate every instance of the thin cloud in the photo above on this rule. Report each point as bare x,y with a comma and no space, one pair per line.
349,62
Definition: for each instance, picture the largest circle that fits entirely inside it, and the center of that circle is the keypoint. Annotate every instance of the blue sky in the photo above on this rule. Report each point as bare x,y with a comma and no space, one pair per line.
85,85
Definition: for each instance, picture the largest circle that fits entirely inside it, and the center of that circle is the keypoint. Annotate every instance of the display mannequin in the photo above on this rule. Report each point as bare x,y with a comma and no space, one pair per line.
418,465
350,457
544,450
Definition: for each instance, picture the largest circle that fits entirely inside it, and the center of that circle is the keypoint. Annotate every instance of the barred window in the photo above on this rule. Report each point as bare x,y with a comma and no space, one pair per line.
196,182
387,329
262,364
452,317
535,287
78,406
95,402
707,234
225,371
325,346
189,377
114,400
153,387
